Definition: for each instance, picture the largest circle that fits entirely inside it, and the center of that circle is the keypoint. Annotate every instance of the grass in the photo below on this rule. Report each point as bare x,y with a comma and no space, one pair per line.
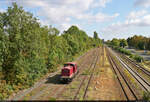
97,71
73,86
146,96
115,76
31,93
132,80
90,88
66,94
52,99
90,98
42,88
25,98
81,94
146,64
129,76
86,72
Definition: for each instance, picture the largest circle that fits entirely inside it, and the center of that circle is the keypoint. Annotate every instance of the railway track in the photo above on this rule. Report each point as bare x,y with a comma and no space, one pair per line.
91,76
59,90
21,95
126,88
144,84
145,71
91,70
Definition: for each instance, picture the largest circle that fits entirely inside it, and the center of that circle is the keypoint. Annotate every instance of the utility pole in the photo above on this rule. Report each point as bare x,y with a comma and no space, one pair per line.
103,52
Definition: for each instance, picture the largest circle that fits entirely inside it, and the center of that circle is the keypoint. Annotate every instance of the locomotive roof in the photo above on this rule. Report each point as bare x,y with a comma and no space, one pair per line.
66,67
71,63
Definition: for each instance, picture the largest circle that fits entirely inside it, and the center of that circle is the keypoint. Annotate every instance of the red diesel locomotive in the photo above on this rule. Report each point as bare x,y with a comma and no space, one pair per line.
69,71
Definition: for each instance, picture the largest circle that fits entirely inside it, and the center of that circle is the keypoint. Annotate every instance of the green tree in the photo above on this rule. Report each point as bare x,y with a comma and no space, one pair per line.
26,49
97,40
95,35
138,42
123,43
115,42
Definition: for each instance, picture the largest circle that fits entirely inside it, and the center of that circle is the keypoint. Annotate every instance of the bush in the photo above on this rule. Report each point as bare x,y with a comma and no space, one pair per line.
138,58
126,52
131,56
146,96
122,50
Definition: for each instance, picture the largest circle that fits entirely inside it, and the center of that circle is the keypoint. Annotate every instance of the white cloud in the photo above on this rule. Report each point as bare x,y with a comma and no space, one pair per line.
136,20
136,14
101,3
2,10
63,12
99,17
65,26
143,3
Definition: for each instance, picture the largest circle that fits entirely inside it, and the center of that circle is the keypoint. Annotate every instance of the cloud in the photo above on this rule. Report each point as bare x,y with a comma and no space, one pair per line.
101,3
134,14
63,12
2,10
65,26
99,17
134,19
143,3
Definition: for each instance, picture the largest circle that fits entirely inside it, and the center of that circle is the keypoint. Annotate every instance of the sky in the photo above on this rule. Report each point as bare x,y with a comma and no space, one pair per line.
109,18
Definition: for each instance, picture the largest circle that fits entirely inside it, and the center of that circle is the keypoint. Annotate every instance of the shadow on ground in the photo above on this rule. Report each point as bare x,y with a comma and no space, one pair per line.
53,79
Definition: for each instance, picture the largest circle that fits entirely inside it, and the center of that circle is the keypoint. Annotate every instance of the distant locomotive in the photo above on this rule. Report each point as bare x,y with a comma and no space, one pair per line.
68,72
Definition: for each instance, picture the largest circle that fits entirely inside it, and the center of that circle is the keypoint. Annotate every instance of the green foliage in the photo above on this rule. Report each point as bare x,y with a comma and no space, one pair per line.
146,96
28,50
115,42
139,42
123,43
127,52
137,58
97,41
124,51
95,35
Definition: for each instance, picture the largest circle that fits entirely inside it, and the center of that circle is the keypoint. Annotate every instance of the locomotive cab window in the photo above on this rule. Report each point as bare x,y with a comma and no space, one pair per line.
72,65
66,65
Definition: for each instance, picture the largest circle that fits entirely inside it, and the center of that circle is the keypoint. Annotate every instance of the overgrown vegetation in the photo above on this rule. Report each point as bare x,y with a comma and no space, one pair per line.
137,58
122,50
146,96
29,50
139,42
119,44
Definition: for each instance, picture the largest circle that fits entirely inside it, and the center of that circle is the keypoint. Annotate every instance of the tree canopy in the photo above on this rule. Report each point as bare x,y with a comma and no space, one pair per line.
139,42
